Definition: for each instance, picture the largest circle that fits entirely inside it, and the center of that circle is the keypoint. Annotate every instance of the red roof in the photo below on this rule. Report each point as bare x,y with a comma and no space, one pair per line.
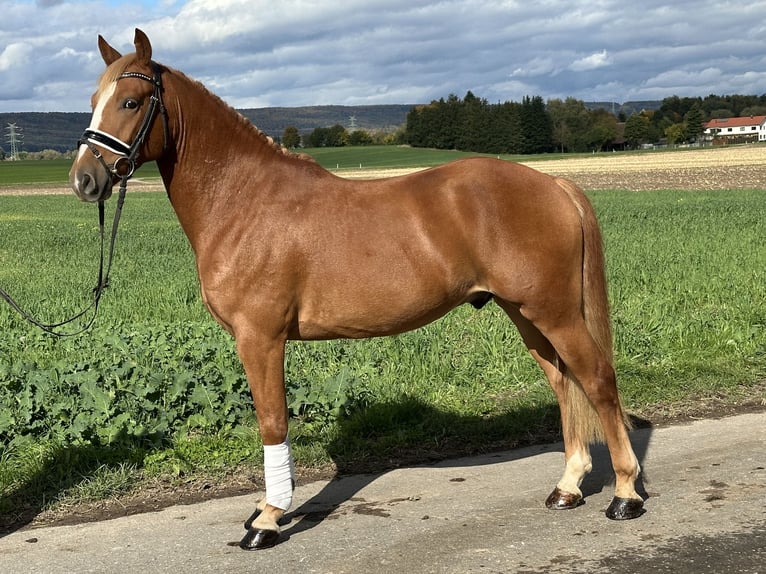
735,122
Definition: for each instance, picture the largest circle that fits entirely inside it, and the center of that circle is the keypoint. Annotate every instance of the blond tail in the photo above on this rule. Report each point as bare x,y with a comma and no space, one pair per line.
582,417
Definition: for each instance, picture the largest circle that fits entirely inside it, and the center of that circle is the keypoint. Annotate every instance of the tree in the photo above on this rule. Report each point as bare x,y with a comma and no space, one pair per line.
675,133
602,129
637,130
694,121
336,136
536,125
318,137
473,124
504,131
754,111
291,139
359,137
570,119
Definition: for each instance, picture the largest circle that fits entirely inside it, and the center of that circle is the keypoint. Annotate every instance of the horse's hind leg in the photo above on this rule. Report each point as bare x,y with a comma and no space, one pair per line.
587,366
567,493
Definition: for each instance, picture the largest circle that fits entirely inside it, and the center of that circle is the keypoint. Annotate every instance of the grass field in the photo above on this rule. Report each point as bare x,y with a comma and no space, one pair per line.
44,172
347,158
14,173
155,389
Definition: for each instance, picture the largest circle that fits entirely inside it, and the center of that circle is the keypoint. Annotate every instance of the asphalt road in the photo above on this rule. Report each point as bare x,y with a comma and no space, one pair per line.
706,513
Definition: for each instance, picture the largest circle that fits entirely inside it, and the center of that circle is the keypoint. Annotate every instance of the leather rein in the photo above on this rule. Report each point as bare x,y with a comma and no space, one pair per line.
123,168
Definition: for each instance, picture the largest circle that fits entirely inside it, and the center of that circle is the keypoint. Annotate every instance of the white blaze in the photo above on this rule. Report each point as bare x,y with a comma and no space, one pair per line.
98,113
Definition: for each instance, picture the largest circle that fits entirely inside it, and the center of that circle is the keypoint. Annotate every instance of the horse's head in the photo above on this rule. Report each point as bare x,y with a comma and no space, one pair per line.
123,133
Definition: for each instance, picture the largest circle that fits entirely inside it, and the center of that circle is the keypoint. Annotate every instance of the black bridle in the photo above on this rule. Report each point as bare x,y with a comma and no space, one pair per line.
125,164
123,168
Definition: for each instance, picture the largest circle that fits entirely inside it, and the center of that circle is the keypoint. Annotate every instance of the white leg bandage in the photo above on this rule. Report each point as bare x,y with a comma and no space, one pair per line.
279,474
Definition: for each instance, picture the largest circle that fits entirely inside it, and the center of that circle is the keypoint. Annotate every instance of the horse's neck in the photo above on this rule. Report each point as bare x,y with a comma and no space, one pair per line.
207,132
214,154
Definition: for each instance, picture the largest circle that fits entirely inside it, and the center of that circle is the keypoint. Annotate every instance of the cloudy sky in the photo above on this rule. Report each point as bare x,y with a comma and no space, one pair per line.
258,53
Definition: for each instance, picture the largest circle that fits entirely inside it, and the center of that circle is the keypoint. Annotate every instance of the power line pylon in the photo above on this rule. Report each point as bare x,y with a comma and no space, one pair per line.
14,138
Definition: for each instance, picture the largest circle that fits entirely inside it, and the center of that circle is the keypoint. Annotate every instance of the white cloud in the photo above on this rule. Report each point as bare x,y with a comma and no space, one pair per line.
16,55
538,66
299,52
591,62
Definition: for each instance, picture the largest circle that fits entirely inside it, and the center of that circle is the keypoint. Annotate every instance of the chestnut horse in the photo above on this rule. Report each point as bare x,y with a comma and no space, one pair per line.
286,250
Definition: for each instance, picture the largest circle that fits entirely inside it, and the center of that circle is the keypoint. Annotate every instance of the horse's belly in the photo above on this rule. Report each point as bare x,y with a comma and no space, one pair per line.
364,314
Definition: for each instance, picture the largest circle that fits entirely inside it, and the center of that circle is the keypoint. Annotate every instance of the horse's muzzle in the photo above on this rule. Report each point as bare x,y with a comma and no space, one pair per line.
91,183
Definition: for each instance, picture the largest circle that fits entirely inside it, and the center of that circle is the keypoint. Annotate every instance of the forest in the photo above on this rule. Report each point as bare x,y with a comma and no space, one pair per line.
470,123
531,126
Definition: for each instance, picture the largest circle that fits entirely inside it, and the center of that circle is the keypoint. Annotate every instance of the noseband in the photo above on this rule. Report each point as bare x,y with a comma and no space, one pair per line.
124,166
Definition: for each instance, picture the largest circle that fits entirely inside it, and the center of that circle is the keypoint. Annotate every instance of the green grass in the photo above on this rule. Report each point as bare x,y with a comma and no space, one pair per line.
31,172
369,157
45,172
156,390
381,157
687,282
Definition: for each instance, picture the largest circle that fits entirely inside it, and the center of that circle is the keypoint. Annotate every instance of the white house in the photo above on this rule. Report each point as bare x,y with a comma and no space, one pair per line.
736,130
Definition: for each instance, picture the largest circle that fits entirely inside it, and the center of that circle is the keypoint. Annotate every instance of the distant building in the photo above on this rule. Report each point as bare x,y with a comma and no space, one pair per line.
748,129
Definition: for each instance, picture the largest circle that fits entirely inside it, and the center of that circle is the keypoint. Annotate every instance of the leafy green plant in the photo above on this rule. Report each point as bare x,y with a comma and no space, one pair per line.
139,385
326,401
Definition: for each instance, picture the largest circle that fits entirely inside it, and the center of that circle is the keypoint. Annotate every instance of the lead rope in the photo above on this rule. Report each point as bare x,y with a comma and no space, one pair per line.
103,275
94,137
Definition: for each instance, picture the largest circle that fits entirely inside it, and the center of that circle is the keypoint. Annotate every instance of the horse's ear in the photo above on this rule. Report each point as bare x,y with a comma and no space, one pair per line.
143,47
108,53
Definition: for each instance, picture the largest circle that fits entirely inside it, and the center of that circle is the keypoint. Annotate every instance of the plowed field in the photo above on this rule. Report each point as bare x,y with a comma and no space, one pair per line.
703,169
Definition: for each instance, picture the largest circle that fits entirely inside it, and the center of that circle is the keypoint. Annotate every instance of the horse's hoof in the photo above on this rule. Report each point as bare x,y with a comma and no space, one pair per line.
258,539
625,508
560,500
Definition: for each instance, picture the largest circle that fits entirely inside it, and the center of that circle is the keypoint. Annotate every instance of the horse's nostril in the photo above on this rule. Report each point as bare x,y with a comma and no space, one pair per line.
85,186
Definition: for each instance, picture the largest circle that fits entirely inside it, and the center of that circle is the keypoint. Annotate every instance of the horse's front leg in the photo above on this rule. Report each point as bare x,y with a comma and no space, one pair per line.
263,359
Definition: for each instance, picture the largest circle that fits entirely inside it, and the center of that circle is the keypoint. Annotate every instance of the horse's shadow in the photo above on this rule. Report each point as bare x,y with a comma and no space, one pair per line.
356,466
348,481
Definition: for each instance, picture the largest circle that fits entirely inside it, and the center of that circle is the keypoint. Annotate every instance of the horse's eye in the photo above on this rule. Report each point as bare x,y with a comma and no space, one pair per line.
130,104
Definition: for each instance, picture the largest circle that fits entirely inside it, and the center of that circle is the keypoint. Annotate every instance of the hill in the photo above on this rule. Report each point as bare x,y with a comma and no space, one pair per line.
273,121
60,130
49,130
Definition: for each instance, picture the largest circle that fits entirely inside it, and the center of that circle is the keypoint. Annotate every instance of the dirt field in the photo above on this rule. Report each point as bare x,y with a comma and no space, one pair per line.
703,169
742,167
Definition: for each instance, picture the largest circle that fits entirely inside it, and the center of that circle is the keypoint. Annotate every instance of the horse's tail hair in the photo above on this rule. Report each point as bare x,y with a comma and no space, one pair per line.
583,419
